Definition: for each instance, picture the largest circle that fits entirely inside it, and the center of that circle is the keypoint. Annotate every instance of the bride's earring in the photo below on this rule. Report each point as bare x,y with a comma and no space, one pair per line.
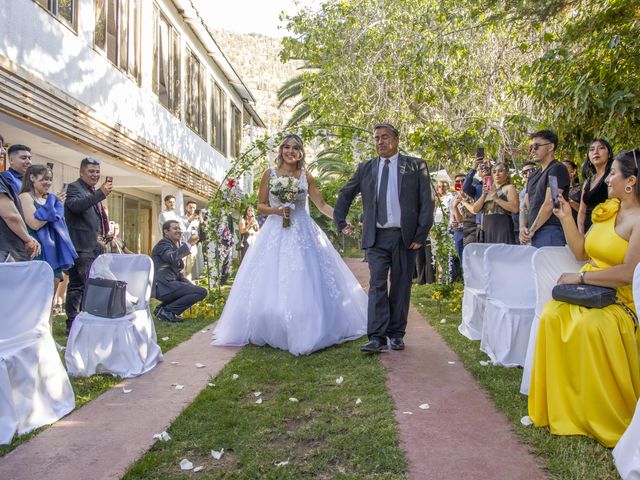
628,189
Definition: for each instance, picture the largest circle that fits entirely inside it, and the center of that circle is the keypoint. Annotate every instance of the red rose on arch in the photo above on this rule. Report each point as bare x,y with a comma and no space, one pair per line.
232,183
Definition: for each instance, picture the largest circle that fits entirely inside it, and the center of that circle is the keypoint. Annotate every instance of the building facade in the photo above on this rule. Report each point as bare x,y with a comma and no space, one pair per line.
139,84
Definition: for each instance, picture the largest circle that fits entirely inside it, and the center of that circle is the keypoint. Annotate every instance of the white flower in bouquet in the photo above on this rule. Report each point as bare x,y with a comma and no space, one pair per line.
284,189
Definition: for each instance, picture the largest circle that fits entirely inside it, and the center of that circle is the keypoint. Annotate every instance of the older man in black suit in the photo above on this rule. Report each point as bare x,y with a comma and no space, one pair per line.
398,213
88,226
171,287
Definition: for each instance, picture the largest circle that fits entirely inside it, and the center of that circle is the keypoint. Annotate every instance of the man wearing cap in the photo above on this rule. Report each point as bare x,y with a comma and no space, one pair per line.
88,225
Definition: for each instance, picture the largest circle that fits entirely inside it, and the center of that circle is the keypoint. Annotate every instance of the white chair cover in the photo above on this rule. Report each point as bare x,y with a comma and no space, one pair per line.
548,263
626,455
510,304
125,346
473,299
34,386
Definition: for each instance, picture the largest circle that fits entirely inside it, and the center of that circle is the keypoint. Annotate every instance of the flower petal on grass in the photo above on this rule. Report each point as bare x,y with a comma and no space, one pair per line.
164,339
186,464
484,363
162,436
358,401
282,464
235,376
211,384
424,406
257,394
293,399
340,379
526,421
217,454
444,320
198,469
259,401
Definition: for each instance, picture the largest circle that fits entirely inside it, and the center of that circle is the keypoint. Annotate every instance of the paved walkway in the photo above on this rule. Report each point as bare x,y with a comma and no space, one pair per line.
103,438
461,435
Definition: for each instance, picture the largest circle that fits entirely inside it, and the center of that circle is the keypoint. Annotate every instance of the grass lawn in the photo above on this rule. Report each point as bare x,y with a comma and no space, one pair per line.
325,434
566,457
88,388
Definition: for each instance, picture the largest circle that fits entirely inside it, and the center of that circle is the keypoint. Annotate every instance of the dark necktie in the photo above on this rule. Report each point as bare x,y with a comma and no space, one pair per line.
382,194
102,214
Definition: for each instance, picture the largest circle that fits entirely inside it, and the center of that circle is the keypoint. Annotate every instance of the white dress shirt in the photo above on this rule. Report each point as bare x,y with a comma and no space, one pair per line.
393,199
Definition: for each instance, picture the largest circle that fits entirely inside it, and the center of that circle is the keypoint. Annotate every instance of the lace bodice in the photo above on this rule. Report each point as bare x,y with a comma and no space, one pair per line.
301,198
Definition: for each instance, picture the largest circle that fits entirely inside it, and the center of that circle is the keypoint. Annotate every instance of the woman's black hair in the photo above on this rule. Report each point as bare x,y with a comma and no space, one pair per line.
575,179
36,170
588,169
629,165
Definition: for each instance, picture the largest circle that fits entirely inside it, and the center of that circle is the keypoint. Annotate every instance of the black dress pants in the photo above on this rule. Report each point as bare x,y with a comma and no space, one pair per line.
78,275
183,296
391,267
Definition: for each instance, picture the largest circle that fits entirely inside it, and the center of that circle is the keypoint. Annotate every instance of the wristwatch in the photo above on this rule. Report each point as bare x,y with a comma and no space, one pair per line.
582,277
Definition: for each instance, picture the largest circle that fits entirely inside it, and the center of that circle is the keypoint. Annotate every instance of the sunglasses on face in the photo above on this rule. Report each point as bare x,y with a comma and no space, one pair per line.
535,146
528,171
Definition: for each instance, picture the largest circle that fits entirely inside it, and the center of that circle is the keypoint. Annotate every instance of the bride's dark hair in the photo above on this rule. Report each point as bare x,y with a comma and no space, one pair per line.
298,141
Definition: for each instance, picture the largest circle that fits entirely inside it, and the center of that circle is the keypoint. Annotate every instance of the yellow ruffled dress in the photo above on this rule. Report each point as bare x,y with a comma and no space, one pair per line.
586,367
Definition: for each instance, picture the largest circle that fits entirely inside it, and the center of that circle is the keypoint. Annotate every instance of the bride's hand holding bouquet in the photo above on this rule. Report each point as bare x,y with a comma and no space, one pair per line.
285,189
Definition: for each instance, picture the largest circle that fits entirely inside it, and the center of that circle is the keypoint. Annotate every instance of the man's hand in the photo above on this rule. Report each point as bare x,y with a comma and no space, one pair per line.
61,196
477,161
414,246
106,188
32,248
525,236
349,230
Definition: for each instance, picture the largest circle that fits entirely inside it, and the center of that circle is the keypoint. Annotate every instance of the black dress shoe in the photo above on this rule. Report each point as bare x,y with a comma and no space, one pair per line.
397,344
157,310
375,346
168,316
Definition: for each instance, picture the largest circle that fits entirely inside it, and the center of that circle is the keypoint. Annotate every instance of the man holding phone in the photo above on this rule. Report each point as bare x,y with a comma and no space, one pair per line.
88,226
540,227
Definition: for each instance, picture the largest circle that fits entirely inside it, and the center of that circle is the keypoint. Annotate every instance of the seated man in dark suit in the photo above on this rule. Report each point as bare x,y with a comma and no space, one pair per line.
88,226
171,287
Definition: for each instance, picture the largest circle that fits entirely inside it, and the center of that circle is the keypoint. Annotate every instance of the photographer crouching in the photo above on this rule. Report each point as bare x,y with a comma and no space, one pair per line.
174,291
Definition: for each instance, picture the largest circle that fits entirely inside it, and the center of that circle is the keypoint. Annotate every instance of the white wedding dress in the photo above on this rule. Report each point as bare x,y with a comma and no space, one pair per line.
293,291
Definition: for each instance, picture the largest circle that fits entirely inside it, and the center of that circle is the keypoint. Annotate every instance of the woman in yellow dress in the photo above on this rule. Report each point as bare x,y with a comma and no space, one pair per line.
586,370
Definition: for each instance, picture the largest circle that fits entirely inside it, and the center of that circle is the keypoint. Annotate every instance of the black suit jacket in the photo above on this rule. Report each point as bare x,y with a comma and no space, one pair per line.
414,190
83,221
168,265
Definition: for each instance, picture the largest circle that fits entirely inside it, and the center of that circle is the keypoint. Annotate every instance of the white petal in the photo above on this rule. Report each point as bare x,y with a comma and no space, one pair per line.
293,399
282,464
200,365
451,363
174,363
163,436
358,401
257,394
407,413
164,339
259,401
444,320
186,464
179,387
339,380
204,331
217,454
484,363
198,469
526,421
211,384
424,406
126,390
235,376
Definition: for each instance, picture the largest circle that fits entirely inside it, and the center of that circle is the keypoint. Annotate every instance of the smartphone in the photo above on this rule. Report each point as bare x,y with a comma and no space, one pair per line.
457,186
553,185
64,187
50,165
109,179
487,182
480,152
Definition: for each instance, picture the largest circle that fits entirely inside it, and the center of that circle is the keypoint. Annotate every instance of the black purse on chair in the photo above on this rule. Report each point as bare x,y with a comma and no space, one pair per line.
105,298
590,296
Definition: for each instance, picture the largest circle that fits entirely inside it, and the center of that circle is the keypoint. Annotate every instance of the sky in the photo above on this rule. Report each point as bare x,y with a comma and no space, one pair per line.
250,16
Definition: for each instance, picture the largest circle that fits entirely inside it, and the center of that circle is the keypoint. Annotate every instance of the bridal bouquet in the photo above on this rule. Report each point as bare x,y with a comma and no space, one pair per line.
284,189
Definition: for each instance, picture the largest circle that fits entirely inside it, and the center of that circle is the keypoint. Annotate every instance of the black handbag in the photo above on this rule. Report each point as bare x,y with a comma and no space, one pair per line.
591,296
105,298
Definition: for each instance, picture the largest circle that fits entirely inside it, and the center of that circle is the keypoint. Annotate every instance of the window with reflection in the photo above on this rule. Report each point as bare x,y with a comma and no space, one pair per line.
196,95
166,62
236,131
63,10
117,33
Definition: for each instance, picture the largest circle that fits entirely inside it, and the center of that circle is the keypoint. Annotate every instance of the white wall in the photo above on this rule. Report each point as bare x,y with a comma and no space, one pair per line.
33,39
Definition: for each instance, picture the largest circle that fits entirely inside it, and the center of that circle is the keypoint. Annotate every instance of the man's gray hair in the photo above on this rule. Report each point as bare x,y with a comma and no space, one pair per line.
388,126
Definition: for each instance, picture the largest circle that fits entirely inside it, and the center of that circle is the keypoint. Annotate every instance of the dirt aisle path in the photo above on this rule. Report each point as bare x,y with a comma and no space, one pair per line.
462,435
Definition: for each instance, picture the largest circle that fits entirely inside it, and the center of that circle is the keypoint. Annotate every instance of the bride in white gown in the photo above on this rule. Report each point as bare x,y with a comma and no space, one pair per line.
292,291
